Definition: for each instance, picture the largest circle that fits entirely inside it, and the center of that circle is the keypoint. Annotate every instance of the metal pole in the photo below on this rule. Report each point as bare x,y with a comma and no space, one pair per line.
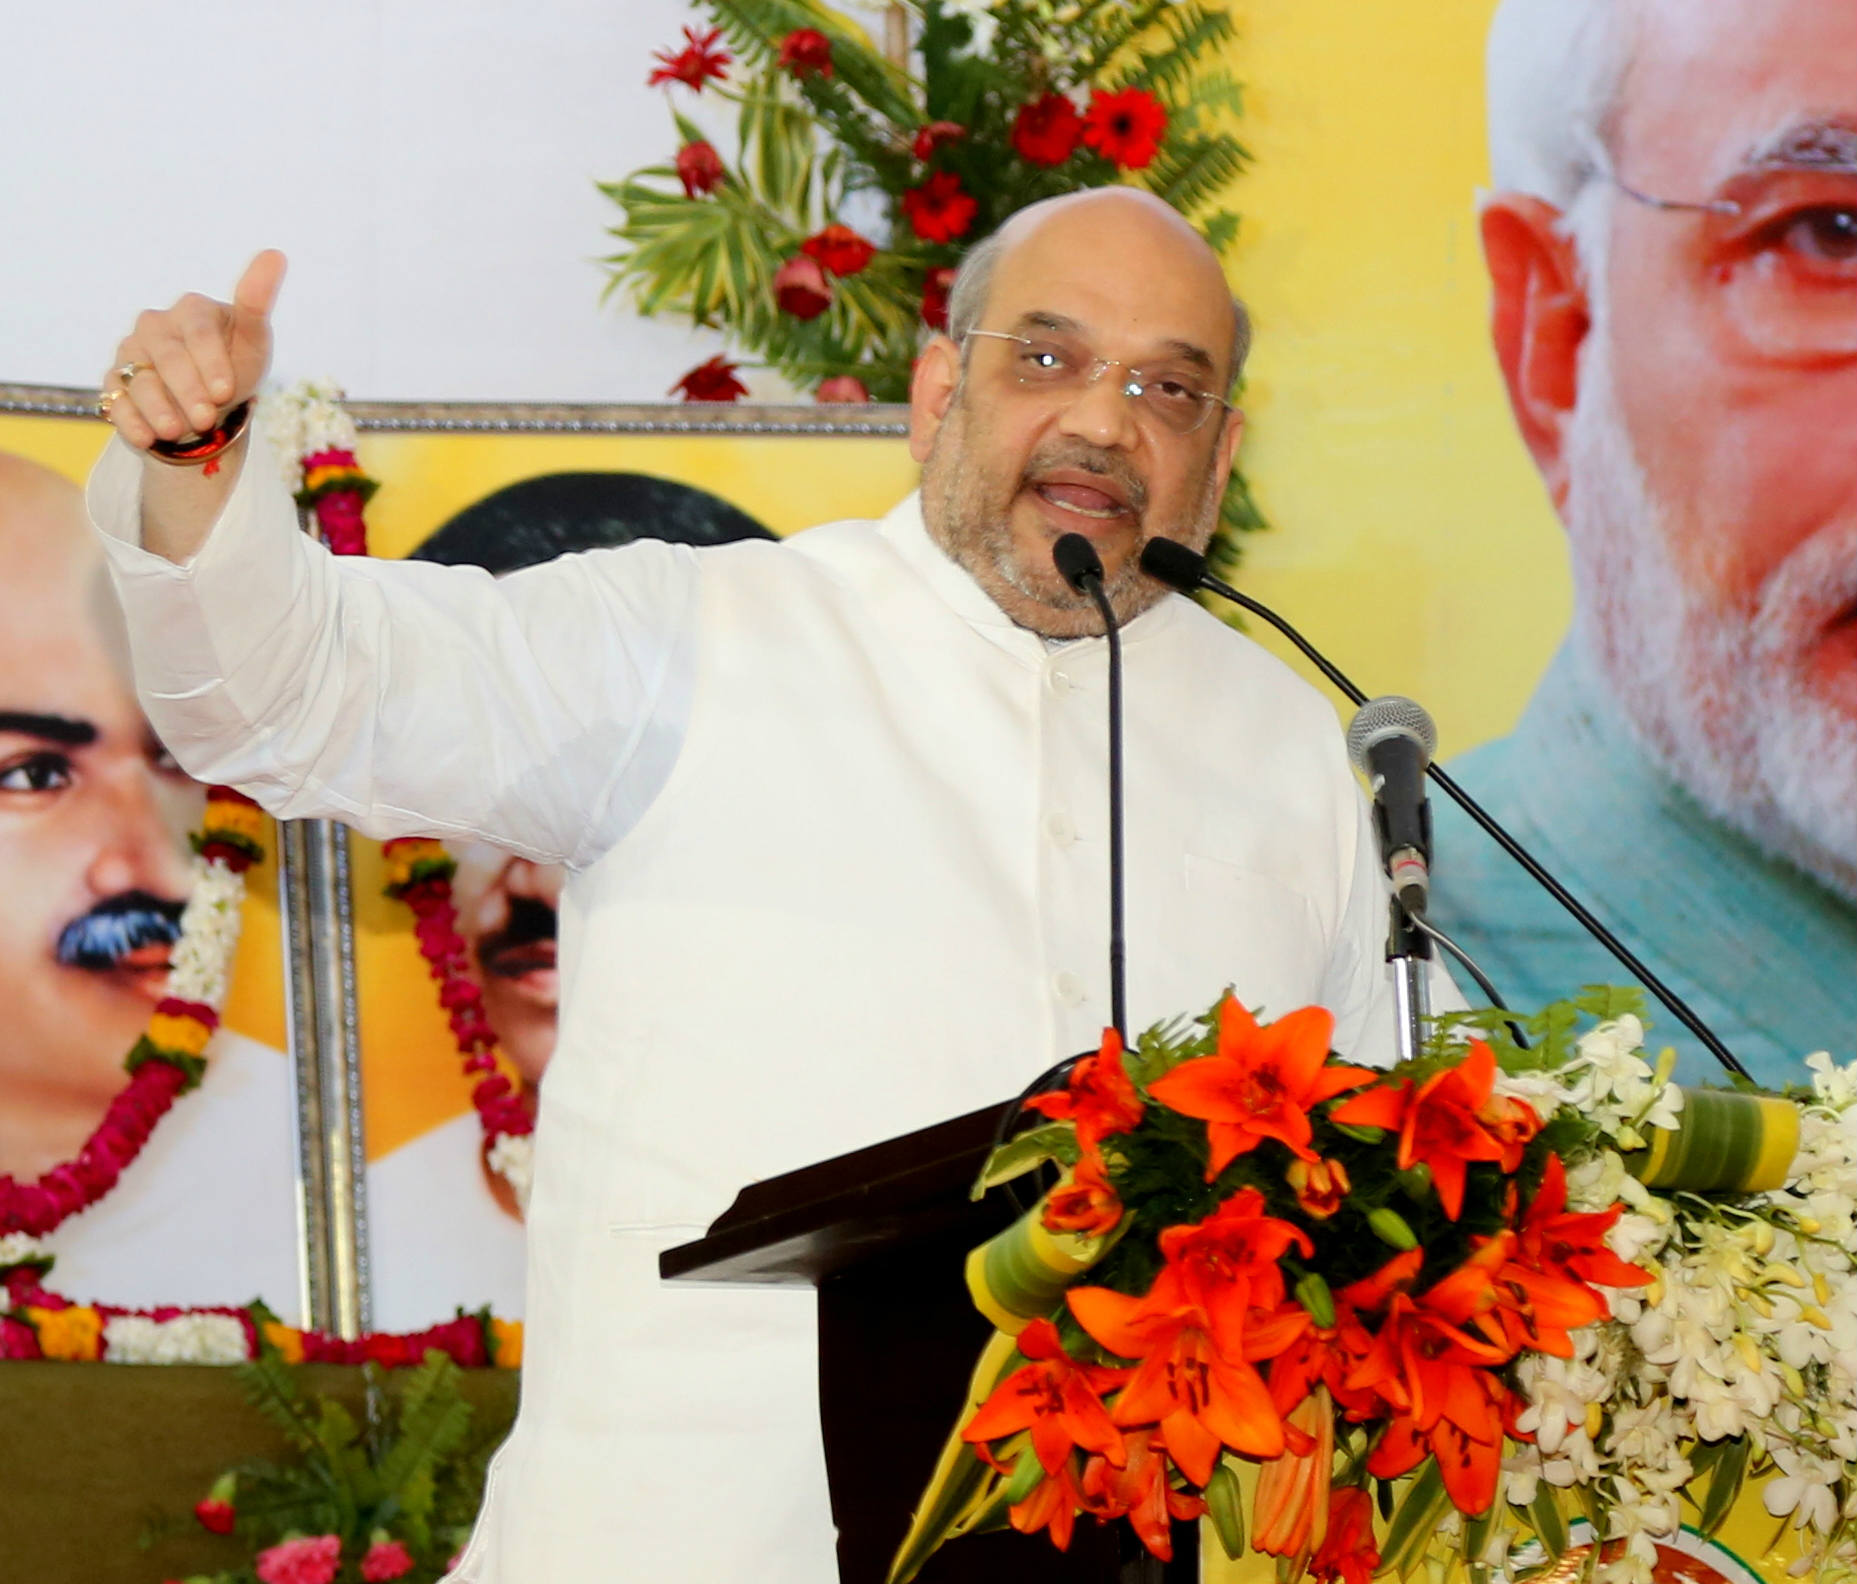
319,977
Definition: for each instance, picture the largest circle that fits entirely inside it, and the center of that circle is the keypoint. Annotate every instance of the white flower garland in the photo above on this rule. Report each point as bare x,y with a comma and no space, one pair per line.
1749,1329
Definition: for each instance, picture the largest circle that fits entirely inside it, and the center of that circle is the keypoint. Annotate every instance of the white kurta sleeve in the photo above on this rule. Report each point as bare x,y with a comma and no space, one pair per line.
541,711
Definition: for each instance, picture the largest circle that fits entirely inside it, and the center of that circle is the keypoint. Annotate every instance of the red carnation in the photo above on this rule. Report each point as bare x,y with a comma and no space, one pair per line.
934,135
935,297
713,381
801,289
216,1516
1126,127
842,388
701,59
840,249
1046,130
806,50
386,1560
699,168
938,210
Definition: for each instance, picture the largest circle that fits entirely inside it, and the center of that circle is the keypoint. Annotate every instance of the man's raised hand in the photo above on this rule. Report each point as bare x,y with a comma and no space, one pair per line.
195,360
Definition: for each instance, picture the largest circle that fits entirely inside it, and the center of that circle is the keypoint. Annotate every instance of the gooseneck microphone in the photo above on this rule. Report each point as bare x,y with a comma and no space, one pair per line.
1391,742
1082,568
1184,571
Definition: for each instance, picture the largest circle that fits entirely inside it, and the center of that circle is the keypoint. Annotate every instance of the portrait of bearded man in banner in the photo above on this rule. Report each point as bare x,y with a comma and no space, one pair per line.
443,1228
1672,250
94,873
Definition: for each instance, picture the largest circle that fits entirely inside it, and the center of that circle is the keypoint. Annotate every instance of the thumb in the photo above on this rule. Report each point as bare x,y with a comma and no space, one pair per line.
256,292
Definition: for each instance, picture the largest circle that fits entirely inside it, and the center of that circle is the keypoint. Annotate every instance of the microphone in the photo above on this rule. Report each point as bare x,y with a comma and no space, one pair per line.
1184,571
1391,741
1081,567
1078,564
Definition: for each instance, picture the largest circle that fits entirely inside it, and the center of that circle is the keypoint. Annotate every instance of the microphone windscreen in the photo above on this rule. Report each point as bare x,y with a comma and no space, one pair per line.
1076,560
1381,719
1167,561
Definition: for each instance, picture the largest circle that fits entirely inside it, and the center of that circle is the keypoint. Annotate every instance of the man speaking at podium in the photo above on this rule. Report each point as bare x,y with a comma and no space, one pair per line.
834,813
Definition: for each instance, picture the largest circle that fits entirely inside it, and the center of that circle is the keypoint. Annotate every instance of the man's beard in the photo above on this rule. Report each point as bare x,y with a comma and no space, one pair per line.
969,515
1720,693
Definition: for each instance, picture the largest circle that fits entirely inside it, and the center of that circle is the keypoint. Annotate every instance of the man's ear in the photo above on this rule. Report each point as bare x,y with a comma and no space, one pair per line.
931,389
1538,321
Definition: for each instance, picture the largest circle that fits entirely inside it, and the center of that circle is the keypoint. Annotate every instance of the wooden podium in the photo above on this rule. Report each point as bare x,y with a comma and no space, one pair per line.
883,1234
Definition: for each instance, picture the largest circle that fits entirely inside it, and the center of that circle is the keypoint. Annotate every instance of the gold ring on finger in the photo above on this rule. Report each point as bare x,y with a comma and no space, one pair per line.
108,399
128,371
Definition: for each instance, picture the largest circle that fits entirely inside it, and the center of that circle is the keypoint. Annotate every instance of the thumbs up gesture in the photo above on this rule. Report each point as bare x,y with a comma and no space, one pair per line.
180,368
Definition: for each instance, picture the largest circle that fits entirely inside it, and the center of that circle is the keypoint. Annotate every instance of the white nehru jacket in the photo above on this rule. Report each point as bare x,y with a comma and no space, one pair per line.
838,839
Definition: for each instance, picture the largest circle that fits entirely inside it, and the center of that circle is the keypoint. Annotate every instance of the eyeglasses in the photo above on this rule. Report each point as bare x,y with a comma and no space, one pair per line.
1063,370
1780,250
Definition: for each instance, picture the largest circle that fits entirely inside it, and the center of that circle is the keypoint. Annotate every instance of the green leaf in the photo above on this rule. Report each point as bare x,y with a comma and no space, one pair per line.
1416,1521
1548,1521
1730,1469
1031,1149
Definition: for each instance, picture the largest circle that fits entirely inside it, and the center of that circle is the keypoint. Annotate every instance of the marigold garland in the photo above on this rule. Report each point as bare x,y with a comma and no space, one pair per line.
39,1324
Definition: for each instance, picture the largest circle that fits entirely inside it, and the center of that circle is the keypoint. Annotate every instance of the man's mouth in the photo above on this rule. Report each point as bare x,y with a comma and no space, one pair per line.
144,970
1086,500
1081,495
522,953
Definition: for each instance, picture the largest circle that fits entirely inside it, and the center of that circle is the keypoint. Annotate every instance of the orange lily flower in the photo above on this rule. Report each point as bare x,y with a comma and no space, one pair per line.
1202,1396
1348,1553
1140,1492
1290,1515
1100,1098
1320,1186
1442,1123
1260,1083
1087,1203
1052,1505
1441,1382
1573,1246
1512,1304
1228,1264
1054,1397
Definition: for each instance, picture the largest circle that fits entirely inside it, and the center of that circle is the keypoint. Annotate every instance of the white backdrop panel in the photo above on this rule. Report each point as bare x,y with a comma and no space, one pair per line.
429,165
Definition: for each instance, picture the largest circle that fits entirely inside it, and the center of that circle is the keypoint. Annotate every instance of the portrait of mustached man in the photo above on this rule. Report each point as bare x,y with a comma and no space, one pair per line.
94,873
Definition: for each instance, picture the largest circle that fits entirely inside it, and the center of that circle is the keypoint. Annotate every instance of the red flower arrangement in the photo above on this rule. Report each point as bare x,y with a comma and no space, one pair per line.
1125,127
839,249
1274,1319
711,381
335,489
800,287
1047,130
699,168
938,210
937,134
935,288
701,60
805,51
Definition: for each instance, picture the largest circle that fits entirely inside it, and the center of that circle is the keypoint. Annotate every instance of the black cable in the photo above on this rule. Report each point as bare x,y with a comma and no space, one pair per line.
1422,923
1170,566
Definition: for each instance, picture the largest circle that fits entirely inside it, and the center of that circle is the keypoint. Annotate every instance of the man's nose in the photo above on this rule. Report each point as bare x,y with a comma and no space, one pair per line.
1101,412
532,881
137,850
